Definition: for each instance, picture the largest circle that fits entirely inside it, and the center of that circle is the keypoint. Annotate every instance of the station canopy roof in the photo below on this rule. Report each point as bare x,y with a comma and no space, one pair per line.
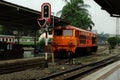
111,6
19,16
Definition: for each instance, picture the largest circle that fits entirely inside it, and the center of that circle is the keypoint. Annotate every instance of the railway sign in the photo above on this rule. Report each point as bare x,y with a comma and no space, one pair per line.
41,22
44,22
46,10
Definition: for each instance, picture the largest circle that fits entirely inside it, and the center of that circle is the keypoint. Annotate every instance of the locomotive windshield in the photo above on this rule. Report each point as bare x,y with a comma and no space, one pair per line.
61,32
58,32
67,32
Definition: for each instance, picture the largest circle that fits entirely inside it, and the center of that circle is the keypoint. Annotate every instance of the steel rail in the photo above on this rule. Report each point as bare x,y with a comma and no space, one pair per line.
79,70
19,66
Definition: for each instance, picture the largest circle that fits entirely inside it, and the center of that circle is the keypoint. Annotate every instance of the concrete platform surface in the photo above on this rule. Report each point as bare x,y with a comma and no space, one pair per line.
110,72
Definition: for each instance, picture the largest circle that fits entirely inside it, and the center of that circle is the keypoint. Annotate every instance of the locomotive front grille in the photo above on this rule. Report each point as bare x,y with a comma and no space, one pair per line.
62,51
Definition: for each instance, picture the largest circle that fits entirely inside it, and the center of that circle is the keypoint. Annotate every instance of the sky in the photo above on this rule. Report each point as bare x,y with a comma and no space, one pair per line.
103,22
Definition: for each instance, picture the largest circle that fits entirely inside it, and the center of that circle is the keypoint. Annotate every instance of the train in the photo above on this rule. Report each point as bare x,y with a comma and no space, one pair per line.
26,41
10,48
11,38
70,41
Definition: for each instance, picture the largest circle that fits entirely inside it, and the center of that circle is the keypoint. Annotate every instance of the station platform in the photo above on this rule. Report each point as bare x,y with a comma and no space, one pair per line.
20,61
110,72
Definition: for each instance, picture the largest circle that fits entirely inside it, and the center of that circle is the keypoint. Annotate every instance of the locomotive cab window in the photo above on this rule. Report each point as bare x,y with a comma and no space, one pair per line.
58,32
67,32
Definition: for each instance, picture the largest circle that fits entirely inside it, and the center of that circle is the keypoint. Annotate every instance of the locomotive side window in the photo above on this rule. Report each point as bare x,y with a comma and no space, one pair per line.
67,32
82,39
58,32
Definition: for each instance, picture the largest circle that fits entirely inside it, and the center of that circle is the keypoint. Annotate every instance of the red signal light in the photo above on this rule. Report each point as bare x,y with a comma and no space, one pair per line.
46,10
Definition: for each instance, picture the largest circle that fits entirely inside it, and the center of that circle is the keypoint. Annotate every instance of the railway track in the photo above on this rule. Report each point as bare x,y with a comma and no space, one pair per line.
20,65
79,71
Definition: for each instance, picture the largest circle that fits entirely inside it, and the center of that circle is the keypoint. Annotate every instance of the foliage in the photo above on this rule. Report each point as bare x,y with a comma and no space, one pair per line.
113,42
118,40
74,11
41,43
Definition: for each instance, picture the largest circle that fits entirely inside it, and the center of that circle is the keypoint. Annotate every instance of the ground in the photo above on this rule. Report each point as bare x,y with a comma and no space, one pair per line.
103,52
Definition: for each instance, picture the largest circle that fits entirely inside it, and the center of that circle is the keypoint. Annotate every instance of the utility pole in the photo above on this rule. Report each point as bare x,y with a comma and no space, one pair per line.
53,60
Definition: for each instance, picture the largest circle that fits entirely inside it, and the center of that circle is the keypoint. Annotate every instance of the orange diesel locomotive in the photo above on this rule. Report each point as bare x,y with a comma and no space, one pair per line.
71,41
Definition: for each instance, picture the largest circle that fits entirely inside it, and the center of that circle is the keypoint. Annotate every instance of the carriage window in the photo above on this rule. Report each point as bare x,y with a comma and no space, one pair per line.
58,32
67,32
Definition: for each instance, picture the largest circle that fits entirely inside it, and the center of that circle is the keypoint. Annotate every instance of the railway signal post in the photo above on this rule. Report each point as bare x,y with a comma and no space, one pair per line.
43,23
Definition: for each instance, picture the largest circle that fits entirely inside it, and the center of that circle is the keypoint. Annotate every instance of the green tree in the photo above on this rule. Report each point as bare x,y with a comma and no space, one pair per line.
118,41
42,42
113,42
76,13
